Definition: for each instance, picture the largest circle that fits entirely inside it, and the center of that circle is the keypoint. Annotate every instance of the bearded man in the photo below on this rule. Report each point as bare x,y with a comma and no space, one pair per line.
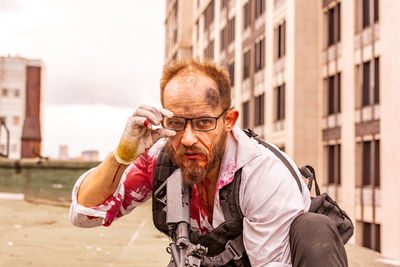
199,136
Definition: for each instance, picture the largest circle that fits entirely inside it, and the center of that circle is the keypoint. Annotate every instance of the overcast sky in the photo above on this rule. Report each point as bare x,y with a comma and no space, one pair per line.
102,59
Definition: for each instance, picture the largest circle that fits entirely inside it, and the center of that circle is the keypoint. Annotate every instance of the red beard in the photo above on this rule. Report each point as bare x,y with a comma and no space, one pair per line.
196,161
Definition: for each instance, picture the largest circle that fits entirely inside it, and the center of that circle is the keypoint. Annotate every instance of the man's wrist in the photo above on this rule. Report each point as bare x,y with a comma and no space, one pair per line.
122,161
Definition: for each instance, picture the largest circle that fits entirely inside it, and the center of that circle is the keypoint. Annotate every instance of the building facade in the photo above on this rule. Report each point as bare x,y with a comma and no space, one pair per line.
319,79
20,106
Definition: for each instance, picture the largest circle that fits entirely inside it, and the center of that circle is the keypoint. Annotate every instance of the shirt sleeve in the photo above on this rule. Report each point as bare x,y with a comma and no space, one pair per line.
134,188
270,200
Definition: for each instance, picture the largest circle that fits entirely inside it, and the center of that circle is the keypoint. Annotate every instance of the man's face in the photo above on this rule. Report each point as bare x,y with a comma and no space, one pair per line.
195,95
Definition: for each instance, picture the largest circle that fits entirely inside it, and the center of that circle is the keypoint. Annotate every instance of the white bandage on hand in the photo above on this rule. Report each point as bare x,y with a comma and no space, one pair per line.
139,134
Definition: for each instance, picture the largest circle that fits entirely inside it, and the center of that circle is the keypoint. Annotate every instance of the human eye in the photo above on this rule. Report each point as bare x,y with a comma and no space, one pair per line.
204,123
175,123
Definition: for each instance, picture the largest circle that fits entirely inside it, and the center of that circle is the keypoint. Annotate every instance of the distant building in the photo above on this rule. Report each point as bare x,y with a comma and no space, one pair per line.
90,155
63,152
321,80
20,105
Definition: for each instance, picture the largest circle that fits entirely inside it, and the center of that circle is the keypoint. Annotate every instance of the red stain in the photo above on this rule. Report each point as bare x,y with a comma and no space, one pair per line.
146,123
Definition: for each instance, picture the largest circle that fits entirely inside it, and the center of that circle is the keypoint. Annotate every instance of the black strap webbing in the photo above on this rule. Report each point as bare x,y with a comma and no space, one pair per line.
234,250
278,154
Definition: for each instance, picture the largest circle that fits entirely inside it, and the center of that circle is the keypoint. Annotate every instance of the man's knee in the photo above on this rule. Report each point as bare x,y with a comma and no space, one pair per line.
314,237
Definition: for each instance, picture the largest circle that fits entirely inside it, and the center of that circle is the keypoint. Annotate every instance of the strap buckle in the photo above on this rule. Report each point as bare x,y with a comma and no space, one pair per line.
231,248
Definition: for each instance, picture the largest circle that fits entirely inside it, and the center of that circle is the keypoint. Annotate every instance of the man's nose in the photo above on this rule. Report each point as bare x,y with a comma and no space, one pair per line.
189,137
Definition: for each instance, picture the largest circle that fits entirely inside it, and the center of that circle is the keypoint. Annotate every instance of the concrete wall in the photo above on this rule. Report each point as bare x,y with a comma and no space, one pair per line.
47,180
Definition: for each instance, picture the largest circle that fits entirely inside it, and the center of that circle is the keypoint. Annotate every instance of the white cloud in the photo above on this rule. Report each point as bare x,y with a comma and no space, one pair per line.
103,58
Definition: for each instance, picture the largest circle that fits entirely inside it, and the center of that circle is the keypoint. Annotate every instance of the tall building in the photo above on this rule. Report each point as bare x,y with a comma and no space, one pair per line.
20,105
320,80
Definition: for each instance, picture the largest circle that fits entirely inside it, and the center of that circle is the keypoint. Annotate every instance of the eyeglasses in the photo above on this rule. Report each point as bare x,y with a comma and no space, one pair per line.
203,124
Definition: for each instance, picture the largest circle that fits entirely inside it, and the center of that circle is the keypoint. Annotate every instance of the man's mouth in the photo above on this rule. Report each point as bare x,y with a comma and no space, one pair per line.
193,156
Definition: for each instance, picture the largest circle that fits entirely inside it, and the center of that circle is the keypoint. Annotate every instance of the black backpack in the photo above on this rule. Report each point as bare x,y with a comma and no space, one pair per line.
322,203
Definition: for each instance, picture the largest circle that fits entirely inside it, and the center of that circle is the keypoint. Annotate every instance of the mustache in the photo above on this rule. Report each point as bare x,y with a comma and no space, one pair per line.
191,149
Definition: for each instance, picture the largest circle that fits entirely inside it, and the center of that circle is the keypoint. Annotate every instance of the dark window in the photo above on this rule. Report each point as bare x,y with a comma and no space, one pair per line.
371,154
334,164
209,50
231,70
376,89
231,30
223,39
376,10
259,55
365,8
259,110
175,8
366,84
366,18
368,229
280,40
333,25
175,35
260,7
197,30
223,3
334,94
369,91
377,163
246,64
246,15
280,103
4,92
246,115
366,163
209,15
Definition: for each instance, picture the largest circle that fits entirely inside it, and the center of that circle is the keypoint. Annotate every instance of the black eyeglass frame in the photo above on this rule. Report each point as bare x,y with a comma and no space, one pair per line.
191,120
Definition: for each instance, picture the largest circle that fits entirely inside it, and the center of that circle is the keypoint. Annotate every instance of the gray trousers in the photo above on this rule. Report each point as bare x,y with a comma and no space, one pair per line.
315,241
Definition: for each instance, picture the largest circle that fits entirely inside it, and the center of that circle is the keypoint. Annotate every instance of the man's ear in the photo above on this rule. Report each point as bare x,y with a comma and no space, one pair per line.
231,118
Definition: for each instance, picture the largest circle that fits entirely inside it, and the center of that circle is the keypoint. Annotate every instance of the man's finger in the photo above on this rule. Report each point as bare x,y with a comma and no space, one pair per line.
161,132
165,112
153,118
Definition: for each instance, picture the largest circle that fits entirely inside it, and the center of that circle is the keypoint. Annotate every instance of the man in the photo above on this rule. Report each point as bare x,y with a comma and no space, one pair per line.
200,137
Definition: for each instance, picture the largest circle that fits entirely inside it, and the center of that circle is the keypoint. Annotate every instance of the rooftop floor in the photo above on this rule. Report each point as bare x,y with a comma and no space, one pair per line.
41,235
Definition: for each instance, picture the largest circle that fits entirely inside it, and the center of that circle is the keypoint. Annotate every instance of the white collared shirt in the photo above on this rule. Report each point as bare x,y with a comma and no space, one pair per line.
269,198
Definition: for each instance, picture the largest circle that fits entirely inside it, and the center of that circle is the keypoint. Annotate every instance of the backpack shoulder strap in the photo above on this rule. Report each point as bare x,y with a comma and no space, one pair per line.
277,153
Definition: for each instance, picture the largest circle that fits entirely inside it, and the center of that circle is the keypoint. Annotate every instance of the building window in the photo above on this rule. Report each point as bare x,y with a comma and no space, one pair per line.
334,166
246,64
4,92
197,30
208,15
366,11
333,17
280,40
371,163
280,103
370,93
334,88
260,7
368,230
259,110
223,3
246,15
259,55
231,30
16,93
231,71
175,35
245,107
209,50
223,38
175,8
